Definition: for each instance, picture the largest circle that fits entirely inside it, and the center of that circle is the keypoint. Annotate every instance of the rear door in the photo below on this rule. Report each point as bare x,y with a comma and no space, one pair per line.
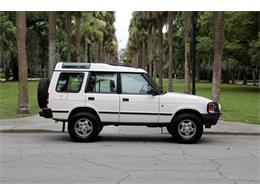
102,95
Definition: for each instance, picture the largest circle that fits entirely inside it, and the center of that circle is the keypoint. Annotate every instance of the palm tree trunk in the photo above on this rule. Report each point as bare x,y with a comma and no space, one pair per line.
68,36
78,39
52,42
218,42
23,99
170,42
143,54
99,51
187,42
150,52
85,48
140,58
151,49
96,51
154,71
254,75
244,75
160,48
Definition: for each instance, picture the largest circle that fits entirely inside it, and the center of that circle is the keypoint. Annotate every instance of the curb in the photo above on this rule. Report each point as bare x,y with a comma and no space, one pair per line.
232,133
28,131
52,131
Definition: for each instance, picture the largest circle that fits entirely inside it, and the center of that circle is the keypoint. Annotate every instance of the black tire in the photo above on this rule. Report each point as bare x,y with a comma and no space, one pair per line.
186,128
101,128
84,134
42,93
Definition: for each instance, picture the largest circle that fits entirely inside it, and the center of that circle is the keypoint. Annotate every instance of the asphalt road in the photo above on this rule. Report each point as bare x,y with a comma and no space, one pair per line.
128,158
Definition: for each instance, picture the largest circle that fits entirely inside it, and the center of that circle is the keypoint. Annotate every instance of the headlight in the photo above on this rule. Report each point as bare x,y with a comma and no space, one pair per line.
213,107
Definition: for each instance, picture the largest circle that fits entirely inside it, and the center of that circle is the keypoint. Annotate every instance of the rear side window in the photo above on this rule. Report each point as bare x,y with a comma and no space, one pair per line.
102,83
70,82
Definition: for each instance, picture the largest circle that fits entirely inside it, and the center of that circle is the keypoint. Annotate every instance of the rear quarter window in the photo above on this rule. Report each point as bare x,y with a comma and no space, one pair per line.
70,82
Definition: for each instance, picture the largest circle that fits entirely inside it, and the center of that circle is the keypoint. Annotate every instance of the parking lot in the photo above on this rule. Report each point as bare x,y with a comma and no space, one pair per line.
123,157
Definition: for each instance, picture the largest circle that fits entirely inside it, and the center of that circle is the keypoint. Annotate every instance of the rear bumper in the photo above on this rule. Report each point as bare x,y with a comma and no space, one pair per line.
210,119
46,113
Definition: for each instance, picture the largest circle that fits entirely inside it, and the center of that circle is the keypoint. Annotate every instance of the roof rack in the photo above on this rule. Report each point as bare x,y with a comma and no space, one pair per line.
77,65
122,64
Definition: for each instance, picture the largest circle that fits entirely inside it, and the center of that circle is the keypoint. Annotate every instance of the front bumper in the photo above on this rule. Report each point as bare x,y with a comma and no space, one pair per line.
210,119
46,113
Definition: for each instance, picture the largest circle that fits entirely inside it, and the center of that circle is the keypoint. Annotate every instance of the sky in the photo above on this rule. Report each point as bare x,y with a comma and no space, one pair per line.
121,24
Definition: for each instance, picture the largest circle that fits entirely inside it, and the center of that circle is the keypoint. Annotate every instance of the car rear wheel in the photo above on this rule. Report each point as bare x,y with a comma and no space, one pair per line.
84,127
186,128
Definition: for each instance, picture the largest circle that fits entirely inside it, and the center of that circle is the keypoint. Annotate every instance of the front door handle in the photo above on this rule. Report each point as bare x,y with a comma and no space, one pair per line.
125,100
91,98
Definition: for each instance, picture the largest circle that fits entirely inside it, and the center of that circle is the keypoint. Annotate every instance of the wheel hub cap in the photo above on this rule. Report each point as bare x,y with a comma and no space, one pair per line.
187,128
83,127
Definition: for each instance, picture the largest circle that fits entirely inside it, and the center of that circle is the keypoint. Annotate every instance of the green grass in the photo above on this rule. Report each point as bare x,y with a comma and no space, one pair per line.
239,103
9,99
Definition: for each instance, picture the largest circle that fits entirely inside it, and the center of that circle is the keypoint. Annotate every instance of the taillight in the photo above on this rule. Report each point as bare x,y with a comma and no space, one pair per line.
212,107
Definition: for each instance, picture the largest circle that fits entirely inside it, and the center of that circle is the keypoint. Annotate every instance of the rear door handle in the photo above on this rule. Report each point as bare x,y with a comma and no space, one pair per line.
91,98
125,100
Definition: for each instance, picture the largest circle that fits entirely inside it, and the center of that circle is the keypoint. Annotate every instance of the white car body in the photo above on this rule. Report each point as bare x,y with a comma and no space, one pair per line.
165,105
91,95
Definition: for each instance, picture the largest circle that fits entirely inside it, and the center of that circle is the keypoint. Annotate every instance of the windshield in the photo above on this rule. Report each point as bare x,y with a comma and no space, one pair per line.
154,84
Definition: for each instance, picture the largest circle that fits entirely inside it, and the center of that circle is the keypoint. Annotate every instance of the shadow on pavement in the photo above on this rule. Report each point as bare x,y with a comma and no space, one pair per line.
131,138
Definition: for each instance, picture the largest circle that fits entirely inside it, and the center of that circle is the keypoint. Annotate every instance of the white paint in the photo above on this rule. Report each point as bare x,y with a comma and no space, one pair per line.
168,103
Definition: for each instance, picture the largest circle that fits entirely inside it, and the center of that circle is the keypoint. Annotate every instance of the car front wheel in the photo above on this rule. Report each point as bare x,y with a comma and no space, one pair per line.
186,128
84,127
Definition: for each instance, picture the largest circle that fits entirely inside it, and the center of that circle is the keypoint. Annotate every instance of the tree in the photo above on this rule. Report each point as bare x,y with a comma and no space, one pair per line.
78,36
23,99
68,26
187,42
170,42
160,48
218,43
241,30
52,42
142,24
7,42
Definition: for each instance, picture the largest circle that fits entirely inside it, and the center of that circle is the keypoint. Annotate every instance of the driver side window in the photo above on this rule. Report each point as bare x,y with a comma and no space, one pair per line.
134,84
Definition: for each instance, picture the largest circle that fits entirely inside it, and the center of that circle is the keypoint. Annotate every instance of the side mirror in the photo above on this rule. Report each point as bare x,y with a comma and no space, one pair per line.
152,92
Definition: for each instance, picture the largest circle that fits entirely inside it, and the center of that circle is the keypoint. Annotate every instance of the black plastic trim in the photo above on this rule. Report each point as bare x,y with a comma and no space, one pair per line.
60,111
210,119
46,113
135,113
136,124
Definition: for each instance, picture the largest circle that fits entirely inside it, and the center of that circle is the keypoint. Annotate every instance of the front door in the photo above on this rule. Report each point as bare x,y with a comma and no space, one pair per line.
136,104
102,95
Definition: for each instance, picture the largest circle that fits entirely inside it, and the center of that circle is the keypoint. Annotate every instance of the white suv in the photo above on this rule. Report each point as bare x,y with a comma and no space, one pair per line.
91,95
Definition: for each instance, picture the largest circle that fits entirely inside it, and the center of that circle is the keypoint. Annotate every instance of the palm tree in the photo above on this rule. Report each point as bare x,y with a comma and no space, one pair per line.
109,35
170,42
218,42
68,36
187,42
78,37
160,47
52,42
157,18
90,31
22,63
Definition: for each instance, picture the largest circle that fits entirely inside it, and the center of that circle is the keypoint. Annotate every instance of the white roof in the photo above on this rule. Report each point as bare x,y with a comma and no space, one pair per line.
98,67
